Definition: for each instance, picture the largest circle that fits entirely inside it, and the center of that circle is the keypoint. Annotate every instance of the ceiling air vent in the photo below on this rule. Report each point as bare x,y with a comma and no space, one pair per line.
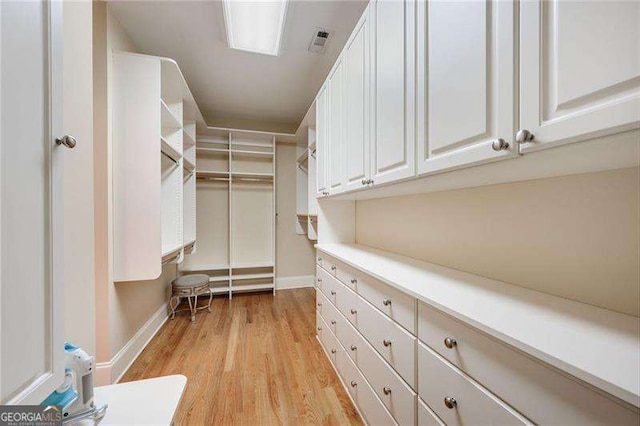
319,41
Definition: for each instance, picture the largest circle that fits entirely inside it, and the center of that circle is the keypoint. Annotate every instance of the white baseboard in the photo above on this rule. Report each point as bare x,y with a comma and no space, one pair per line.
112,371
286,283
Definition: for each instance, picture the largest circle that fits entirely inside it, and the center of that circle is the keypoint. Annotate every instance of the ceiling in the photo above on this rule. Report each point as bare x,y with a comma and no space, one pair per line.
238,89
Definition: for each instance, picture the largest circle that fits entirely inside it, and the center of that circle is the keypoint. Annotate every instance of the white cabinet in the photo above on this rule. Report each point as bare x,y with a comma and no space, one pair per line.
393,94
31,200
336,128
466,91
321,142
356,155
579,70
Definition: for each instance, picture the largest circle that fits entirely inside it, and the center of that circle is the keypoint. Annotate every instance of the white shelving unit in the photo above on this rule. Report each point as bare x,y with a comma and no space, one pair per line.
306,203
236,211
154,119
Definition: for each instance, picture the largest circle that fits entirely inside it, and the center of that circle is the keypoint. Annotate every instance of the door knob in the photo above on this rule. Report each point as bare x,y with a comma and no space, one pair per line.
67,140
499,145
450,402
354,383
524,136
386,342
450,342
386,390
354,347
353,312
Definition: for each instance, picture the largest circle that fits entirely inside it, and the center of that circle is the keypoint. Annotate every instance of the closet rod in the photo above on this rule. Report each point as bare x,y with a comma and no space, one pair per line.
254,179
214,178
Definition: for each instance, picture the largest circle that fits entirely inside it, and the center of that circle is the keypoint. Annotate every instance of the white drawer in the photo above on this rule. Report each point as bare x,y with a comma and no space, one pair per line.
330,264
540,393
426,416
346,274
395,394
397,305
393,342
437,380
365,398
319,259
328,340
346,301
326,283
329,313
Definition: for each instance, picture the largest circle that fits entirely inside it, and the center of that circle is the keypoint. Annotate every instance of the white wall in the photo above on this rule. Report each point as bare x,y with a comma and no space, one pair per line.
295,254
78,175
573,236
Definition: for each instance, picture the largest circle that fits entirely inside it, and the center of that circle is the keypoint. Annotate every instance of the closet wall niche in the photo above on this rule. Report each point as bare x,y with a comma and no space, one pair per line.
235,206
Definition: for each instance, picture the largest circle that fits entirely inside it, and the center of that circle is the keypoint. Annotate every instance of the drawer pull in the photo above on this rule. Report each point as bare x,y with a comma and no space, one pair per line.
319,304
319,328
450,342
319,280
354,383
319,259
333,351
354,281
354,347
386,390
386,342
450,402
386,302
333,293
333,267
333,322
353,312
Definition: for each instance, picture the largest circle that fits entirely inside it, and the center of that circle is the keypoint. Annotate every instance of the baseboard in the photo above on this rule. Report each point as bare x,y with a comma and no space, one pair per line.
302,281
112,371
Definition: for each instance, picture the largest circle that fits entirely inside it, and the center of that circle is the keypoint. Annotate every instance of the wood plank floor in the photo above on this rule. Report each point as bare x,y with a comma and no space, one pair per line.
254,360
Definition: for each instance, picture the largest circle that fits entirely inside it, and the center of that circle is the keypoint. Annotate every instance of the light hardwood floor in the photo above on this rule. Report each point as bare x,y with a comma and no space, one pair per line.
254,360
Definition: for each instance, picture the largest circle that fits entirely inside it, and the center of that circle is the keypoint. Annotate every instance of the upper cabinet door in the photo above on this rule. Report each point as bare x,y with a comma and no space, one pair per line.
356,158
31,278
580,70
393,93
336,126
466,75
321,142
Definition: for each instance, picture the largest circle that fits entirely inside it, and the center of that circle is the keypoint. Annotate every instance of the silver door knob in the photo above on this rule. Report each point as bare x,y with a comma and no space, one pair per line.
524,136
499,145
386,390
450,342
450,402
386,302
67,140
353,312
354,347
354,383
386,342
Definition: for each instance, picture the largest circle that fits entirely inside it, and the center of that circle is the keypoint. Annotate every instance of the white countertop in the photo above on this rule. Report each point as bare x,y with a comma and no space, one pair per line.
142,402
596,345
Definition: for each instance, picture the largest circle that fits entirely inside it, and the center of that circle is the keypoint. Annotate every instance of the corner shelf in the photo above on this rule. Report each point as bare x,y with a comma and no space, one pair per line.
169,120
168,150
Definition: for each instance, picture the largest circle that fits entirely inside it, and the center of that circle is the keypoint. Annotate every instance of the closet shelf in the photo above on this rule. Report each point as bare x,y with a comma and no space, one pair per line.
303,158
242,153
253,287
187,139
257,176
204,267
202,150
169,151
252,276
169,120
219,278
249,265
210,174
188,165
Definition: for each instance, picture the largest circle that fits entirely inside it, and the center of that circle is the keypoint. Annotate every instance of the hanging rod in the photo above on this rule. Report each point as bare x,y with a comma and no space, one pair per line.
213,178
253,179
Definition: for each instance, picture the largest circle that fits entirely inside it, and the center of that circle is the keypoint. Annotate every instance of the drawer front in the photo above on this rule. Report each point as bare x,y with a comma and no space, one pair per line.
347,301
329,341
320,301
329,313
397,305
347,275
426,417
330,264
525,384
394,393
319,259
390,340
326,283
365,398
473,404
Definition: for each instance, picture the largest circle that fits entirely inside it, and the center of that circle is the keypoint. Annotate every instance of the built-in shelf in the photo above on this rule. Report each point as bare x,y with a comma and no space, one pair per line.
256,176
210,174
219,278
168,150
304,157
252,276
250,265
245,287
239,152
201,268
188,165
187,139
202,150
169,120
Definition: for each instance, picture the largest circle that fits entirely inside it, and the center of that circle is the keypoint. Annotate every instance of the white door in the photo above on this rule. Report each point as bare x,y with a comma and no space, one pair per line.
31,286
356,155
336,126
393,93
321,143
579,70
466,83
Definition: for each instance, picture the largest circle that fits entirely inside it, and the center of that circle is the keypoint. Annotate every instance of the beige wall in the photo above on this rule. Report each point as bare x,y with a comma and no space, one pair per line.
295,254
121,308
78,176
572,236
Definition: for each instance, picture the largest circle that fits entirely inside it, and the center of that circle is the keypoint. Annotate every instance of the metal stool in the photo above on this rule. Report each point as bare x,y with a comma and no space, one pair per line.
189,286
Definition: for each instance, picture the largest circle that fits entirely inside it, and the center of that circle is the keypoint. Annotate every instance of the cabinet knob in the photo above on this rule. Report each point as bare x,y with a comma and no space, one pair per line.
353,312
386,302
333,322
499,145
364,181
386,390
319,280
354,281
333,293
319,259
354,347
319,304
333,267
354,383
333,351
450,402
450,342
67,140
524,136
386,342
319,328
